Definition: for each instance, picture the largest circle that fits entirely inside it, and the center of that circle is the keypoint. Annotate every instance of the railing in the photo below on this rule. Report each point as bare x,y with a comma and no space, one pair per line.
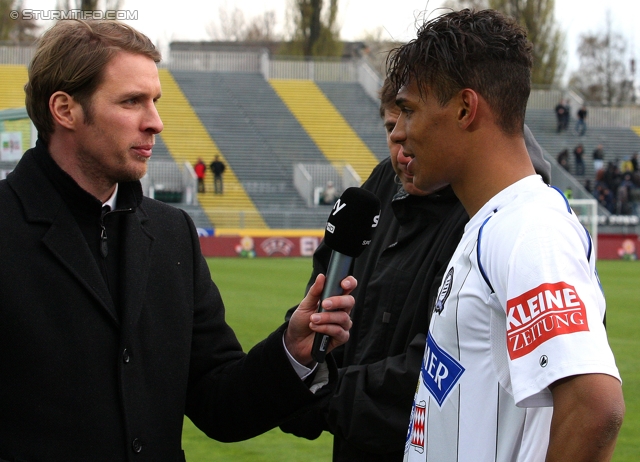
549,97
190,184
219,61
320,175
16,55
249,62
311,179
171,182
303,182
319,71
369,80
357,70
350,177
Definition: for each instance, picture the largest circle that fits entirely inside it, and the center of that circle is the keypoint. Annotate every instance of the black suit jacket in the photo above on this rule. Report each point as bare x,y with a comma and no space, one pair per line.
81,382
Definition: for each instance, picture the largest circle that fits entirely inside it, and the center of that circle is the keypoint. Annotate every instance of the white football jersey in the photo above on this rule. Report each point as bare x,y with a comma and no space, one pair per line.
520,307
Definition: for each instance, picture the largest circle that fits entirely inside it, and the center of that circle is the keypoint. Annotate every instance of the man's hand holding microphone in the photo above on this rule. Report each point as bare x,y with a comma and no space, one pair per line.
322,320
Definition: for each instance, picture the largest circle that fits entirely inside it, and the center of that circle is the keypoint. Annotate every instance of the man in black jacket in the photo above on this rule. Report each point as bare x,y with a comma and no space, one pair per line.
111,329
398,277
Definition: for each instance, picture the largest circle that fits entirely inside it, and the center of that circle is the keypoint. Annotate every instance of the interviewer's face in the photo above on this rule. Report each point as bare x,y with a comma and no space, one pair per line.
116,144
398,159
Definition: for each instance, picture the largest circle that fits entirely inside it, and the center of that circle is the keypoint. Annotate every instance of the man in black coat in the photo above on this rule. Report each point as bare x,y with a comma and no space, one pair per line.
218,168
111,329
398,278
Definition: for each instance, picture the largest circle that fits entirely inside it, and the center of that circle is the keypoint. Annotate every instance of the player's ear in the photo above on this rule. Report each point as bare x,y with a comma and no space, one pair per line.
467,101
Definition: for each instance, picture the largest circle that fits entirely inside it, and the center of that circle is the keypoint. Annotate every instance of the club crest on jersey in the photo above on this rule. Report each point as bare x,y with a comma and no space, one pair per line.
440,372
542,313
445,291
416,426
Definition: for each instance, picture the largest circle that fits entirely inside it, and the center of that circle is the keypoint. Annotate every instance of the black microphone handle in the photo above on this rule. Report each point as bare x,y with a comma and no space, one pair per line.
337,270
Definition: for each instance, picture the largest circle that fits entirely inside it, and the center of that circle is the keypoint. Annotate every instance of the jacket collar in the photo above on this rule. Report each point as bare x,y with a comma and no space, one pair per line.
419,211
47,194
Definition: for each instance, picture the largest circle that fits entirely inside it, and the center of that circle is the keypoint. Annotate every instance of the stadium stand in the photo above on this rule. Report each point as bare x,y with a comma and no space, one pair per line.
265,118
187,139
259,139
325,125
617,142
361,113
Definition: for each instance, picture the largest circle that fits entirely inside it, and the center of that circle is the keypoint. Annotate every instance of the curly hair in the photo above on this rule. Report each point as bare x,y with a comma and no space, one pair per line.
481,50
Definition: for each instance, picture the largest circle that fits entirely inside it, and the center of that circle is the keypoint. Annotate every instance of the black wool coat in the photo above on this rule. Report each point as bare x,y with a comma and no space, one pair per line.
84,380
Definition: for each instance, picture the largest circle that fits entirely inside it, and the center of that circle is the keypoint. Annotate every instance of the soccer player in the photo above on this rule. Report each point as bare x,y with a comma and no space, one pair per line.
517,365
398,277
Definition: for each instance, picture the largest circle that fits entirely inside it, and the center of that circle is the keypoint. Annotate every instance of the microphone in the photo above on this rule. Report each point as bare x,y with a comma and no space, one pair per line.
349,229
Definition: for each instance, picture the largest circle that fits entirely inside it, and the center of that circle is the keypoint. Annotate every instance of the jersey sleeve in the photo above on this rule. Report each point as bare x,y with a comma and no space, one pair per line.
551,302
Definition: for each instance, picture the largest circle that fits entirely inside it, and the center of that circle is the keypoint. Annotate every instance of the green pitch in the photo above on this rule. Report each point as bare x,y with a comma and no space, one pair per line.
257,292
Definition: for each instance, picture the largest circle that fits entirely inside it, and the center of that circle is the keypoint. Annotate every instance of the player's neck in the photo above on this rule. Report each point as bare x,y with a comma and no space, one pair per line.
492,168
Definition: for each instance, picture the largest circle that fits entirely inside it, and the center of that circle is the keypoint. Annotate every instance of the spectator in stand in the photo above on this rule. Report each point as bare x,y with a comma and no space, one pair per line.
606,198
581,124
588,186
218,168
634,197
568,193
626,165
612,176
563,159
561,109
623,196
578,157
200,168
567,115
329,194
598,159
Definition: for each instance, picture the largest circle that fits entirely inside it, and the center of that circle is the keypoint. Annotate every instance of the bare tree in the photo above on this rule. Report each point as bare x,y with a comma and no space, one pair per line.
89,5
13,27
314,30
603,76
233,27
262,28
462,4
538,17
378,44
229,26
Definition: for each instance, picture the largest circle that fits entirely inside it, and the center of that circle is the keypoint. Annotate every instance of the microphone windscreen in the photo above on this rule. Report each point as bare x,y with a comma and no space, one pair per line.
352,221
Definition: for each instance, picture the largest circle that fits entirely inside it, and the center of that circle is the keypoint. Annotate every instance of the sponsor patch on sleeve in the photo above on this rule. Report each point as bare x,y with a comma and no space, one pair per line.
542,313
440,371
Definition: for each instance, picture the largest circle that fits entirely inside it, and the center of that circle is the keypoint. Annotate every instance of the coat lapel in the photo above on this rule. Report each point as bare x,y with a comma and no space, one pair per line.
44,206
135,256
66,242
